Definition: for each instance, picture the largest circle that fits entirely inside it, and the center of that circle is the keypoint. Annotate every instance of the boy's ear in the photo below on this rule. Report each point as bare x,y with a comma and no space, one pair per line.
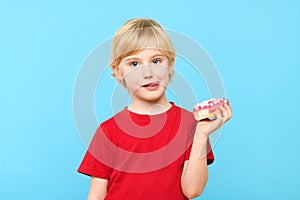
117,73
171,66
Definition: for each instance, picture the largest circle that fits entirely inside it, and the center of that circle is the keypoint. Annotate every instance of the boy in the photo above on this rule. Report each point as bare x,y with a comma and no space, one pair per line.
152,149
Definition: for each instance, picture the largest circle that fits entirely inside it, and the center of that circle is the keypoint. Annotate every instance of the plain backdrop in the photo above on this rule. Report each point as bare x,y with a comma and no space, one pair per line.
254,44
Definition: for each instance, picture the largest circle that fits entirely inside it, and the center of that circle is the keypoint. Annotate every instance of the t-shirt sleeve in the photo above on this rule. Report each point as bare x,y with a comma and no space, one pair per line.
209,156
95,157
93,167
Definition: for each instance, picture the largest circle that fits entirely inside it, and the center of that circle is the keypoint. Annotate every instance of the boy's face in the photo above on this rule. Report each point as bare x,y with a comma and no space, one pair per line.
146,74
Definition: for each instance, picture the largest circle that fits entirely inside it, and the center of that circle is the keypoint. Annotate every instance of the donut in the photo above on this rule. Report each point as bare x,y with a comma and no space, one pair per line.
206,109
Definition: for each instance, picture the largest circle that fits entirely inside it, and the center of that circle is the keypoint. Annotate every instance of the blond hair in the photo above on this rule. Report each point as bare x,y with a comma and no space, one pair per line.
136,35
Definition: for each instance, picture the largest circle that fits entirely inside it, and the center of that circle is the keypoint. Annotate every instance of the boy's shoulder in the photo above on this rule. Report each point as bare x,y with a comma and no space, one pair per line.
111,121
120,118
186,113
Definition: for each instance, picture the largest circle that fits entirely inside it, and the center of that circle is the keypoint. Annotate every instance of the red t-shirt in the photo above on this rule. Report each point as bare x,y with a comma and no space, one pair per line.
142,156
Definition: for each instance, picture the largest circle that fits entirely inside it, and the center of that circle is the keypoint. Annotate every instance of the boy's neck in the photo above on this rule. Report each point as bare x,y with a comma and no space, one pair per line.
149,108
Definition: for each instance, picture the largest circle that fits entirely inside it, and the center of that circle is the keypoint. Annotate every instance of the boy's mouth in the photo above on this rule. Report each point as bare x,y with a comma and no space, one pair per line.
154,84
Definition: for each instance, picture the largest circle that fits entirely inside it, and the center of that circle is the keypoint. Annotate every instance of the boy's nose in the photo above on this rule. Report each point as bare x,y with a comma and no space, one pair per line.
147,72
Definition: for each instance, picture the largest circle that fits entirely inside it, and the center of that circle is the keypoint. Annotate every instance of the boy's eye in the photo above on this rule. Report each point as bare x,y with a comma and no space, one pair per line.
134,64
156,61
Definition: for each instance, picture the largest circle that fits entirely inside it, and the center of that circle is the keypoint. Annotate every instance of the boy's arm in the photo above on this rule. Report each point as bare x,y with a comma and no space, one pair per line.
195,174
98,189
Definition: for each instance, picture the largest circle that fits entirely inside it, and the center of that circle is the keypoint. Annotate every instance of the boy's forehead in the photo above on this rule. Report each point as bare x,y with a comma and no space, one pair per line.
147,51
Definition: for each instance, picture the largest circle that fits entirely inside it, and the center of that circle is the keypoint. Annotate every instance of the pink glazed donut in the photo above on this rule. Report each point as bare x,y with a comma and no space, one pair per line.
206,109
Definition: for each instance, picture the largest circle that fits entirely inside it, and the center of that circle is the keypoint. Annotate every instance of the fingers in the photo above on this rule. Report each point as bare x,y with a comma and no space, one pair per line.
226,112
223,114
219,118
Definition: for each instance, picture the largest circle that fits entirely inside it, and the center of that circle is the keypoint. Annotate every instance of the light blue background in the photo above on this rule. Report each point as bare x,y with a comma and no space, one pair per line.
255,45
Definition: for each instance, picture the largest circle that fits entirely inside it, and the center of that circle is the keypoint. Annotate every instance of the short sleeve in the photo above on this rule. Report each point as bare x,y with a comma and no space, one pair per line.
92,167
95,157
210,156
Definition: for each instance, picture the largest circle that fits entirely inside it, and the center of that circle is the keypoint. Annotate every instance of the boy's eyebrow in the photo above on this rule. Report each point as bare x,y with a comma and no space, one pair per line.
131,58
158,54
136,58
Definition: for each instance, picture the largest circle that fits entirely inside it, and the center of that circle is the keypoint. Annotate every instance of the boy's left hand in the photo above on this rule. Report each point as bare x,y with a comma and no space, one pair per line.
206,127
